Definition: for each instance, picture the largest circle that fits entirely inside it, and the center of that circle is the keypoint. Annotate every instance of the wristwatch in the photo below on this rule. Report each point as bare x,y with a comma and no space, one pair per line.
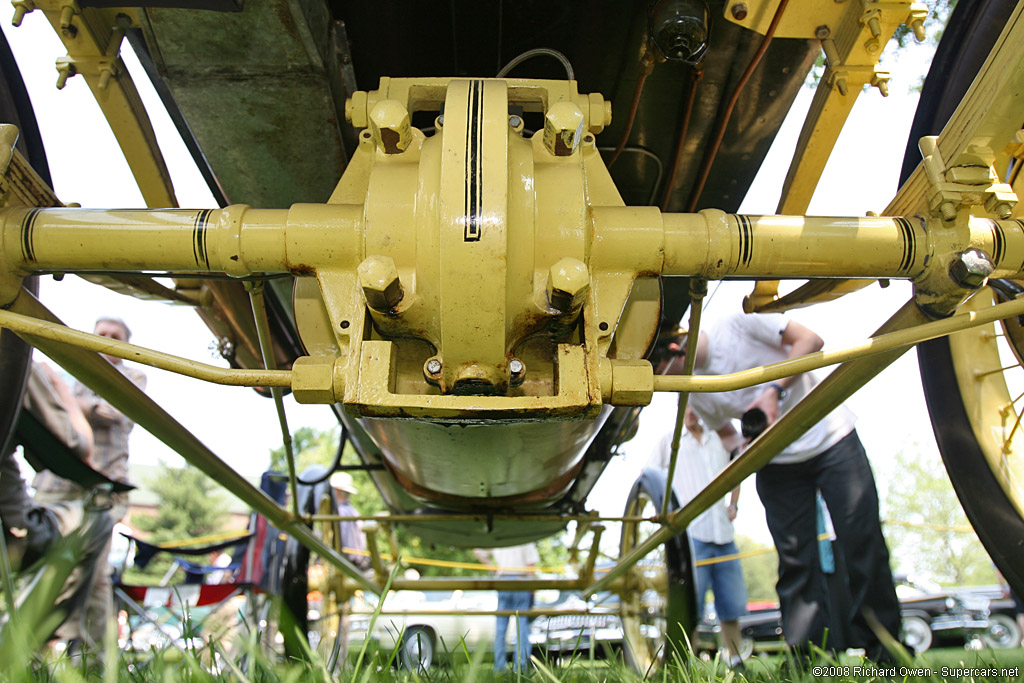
780,389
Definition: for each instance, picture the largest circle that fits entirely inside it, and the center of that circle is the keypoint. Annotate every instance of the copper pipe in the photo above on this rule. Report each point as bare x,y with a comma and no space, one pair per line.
695,78
709,159
646,67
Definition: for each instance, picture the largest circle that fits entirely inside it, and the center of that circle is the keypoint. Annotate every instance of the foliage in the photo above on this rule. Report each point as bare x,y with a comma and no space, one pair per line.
927,530
189,507
760,571
938,17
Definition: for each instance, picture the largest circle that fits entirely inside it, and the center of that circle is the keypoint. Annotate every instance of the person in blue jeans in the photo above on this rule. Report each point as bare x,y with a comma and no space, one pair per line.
701,457
515,562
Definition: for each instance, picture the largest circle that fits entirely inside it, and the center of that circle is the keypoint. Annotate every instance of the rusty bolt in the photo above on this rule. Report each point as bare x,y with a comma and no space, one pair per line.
739,11
822,32
389,123
378,276
568,284
563,128
971,268
432,367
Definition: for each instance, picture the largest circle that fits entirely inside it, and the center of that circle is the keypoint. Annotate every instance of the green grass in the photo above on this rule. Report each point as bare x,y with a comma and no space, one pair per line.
250,662
254,665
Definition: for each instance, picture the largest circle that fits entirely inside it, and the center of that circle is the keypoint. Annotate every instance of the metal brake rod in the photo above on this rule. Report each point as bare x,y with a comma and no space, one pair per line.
813,361
829,394
157,359
103,378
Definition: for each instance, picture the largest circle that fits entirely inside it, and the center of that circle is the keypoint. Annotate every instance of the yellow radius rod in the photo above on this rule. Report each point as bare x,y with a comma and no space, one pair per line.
881,343
157,359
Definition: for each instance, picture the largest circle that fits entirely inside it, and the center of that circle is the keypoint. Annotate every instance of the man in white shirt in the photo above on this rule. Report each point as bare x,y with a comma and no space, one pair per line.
516,561
701,458
828,457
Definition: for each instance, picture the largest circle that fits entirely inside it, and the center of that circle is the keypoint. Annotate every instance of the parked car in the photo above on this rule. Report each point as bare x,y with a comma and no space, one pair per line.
1003,630
934,614
560,635
424,639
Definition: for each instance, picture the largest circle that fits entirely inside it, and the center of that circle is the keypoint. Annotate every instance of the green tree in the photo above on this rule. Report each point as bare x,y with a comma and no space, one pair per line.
760,570
927,530
188,508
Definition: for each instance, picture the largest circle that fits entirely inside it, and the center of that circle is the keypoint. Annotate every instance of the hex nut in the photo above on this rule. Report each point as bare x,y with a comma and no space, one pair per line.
389,123
971,268
563,128
432,367
568,284
822,32
378,276
739,11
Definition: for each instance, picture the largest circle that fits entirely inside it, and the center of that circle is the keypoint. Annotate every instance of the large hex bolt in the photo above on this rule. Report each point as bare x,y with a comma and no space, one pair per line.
971,268
563,128
568,284
378,276
389,123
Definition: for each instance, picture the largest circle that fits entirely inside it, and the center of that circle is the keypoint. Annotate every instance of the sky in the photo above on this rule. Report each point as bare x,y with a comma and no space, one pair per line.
241,427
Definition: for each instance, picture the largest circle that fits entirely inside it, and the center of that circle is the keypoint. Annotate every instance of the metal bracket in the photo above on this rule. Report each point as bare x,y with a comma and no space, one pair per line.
970,180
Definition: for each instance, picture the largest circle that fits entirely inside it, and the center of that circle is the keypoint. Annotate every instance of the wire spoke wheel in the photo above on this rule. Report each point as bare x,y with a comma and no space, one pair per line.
657,599
973,380
974,386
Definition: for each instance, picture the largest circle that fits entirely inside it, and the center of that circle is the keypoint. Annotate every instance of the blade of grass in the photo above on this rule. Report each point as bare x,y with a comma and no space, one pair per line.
376,614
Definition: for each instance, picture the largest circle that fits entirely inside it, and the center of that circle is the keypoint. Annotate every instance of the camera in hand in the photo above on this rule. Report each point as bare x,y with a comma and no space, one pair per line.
753,422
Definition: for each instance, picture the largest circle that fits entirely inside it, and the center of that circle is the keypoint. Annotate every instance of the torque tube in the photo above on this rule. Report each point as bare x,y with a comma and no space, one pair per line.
236,240
713,244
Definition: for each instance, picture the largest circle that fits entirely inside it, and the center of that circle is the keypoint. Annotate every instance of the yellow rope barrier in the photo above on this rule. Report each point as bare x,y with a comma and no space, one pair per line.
212,538
932,527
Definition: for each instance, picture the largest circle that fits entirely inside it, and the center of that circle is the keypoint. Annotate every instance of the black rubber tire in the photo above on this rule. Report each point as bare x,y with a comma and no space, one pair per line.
972,31
15,355
294,615
916,634
417,650
676,618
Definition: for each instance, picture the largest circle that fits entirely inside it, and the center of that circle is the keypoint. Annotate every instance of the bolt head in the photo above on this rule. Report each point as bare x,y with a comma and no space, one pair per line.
516,367
971,268
432,367
739,11
822,32
389,123
568,284
378,276
563,128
